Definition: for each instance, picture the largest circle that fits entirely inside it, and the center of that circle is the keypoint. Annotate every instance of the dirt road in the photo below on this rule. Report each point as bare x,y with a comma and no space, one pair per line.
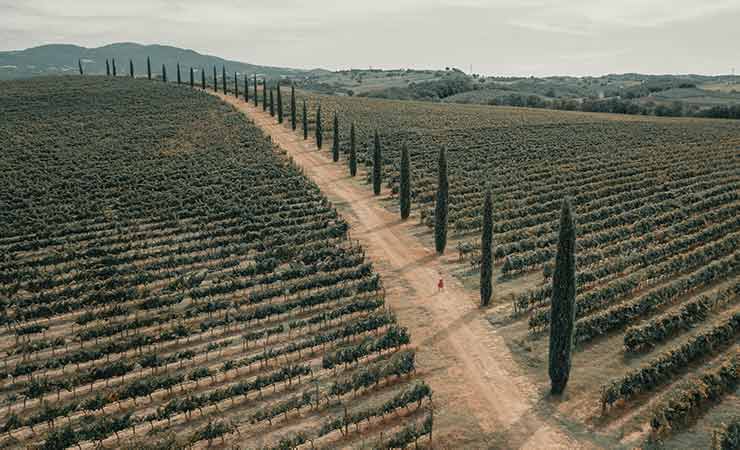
482,400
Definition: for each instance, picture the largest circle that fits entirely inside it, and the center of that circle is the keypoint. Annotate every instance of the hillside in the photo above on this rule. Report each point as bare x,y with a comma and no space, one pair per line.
59,59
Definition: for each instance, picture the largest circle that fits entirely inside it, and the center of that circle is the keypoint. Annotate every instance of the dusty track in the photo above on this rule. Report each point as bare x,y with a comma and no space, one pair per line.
482,399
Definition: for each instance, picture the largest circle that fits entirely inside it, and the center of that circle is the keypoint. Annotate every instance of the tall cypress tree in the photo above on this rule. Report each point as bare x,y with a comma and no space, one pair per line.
405,185
107,68
236,86
179,79
352,151
486,261
246,88
319,128
203,78
440,207
192,78
264,95
292,108
335,139
164,73
305,121
223,78
148,68
563,302
256,97
114,67
131,68
377,165
79,65
279,104
215,80
272,103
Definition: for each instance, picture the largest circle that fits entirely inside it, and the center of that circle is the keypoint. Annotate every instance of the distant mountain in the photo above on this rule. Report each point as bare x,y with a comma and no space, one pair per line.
60,59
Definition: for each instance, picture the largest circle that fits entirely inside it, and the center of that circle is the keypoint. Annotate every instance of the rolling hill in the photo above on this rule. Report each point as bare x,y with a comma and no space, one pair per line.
60,59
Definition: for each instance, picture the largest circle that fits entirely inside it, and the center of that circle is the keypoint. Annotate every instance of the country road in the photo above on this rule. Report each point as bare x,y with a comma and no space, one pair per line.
479,393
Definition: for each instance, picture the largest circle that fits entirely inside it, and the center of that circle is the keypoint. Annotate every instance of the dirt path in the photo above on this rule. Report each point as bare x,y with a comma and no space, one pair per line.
483,401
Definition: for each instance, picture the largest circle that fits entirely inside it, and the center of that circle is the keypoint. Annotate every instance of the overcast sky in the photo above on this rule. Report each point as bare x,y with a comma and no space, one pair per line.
496,37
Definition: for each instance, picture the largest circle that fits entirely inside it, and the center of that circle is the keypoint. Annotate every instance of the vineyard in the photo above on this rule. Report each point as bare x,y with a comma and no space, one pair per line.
170,280
658,232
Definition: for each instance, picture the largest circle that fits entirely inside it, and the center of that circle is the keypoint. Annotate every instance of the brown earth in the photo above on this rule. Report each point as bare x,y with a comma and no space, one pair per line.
482,399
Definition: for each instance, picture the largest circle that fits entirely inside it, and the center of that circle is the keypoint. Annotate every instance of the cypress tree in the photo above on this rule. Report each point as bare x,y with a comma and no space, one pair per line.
79,65
254,83
164,73
192,78
236,86
264,95
486,261
319,128
107,68
246,88
223,78
405,187
305,121
279,104
203,78
179,80
563,302
335,140
215,80
131,68
292,107
377,165
148,68
114,66
272,103
352,151
440,207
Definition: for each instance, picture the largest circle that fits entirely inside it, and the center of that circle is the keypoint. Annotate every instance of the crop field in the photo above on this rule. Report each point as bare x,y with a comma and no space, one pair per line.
657,205
168,279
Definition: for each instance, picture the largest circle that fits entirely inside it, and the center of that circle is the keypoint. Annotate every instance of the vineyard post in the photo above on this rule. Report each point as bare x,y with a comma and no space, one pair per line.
148,68
192,78
236,86
107,68
131,68
114,66
164,73
179,79
79,66
215,79
203,78
254,83
264,95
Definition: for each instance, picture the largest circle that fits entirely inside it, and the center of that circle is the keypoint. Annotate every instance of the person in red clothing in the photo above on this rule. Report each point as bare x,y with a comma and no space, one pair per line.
440,285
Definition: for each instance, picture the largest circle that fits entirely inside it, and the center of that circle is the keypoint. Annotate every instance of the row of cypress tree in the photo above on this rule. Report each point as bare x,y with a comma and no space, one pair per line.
563,306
